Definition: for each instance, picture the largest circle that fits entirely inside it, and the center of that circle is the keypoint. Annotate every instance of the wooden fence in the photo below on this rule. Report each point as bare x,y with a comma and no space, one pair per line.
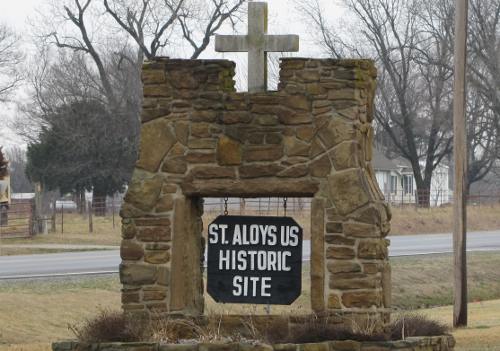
16,219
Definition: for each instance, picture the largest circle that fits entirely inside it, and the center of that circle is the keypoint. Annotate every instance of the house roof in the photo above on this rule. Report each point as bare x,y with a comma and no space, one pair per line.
381,163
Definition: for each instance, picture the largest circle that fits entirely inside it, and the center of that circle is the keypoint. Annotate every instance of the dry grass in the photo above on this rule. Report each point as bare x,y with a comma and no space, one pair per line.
34,313
431,284
410,220
38,312
483,331
76,231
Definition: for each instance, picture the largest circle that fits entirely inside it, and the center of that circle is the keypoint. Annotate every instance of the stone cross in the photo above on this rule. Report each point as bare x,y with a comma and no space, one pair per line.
257,43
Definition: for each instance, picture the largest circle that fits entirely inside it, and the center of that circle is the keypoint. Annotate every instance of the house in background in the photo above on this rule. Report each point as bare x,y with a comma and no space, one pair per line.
397,183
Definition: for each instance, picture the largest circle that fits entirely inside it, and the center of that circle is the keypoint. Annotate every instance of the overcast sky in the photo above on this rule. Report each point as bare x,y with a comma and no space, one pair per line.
283,19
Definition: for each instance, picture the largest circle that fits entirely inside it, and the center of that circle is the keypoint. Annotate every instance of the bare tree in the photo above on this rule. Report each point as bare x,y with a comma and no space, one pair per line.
413,101
147,20
10,58
75,13
152,24
201,19
412,44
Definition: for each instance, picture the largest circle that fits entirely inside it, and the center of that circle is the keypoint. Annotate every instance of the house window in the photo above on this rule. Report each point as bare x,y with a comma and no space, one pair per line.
394,184
408,184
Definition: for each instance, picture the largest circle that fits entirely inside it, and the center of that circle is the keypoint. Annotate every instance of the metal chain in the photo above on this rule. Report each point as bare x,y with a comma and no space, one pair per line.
284,205
225,206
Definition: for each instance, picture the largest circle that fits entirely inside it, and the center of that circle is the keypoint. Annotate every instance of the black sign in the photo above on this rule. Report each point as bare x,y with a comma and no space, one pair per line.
254,260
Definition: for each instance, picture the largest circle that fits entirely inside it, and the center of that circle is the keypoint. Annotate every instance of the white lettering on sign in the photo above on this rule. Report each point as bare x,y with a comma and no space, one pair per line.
250,286
254,235
245,260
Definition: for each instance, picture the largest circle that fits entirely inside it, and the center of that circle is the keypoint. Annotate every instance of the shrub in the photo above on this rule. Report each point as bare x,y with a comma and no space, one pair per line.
319,329
108,326
111,326
414,324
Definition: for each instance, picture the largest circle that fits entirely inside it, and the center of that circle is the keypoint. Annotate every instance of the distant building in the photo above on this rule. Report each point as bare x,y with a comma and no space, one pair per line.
396,181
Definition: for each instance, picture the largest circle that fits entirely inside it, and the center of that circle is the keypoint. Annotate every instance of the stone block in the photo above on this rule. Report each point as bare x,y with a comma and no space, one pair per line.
339,240
273,138
352,281
176,165
345,345
228,151
157,90
334,227
200,157
157,256
154,294
178,347
138,274
128,231
130,297
152,221
288,117
361,230
212,172
342,266
321,167
181,79
294,172
260,170
334,301
297,102
305,133
336,131
372,249
345,155
130,250
209,116
236,117
339,252
320,346
182,131
143,191
157,137
202,143
161,234
220,346
371,268
361,299
266,120
262,153
308,76
201,130
296,147
348,190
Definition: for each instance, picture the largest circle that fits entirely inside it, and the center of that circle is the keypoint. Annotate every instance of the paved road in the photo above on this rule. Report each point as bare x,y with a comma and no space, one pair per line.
103,262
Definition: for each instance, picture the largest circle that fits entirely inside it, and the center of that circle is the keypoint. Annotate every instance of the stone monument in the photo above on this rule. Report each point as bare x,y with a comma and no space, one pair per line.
310,138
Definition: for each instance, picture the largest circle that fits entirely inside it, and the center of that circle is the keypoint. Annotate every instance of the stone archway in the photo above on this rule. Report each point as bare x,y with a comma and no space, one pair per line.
310,138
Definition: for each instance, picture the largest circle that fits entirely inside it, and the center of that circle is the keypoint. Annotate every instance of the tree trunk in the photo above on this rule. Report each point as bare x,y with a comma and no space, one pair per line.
423,194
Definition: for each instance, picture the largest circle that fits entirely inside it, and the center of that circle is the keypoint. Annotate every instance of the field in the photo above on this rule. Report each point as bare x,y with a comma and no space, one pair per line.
34,313
405,221
410,220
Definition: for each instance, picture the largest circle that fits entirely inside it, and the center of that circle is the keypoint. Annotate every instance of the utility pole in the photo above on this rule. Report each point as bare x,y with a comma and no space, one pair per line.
460,157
